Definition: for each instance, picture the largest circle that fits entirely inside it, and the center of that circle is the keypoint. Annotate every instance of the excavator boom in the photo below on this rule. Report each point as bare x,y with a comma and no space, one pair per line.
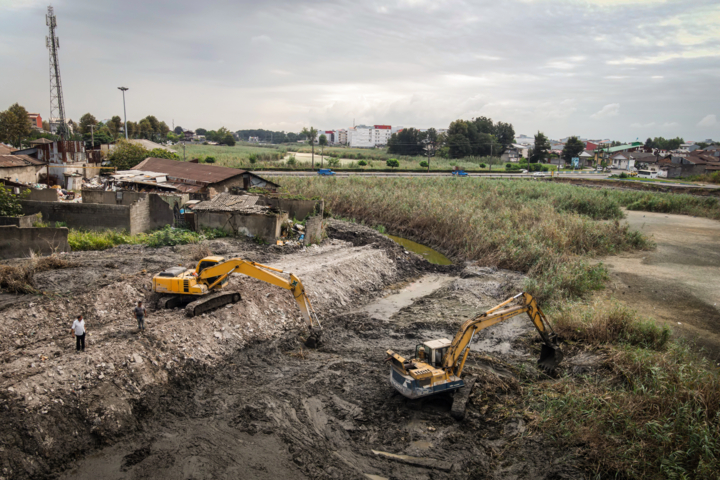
438,364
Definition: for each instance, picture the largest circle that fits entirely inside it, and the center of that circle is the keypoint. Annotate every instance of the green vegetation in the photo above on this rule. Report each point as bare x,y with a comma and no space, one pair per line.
168,236
127,154
653,413
393,163
10,203
547,230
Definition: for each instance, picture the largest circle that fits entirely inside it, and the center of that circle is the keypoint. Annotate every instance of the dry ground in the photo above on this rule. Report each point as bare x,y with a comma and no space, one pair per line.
677,283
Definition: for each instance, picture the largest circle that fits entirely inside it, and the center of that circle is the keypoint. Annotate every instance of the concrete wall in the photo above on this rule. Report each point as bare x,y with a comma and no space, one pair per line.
161,208
111,198
313,230
22,222
266,227
19,242
43,195
296,209
27,174
82,215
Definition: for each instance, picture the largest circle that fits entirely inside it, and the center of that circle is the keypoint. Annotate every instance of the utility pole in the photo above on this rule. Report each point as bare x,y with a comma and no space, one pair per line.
125,89
184,152
92,136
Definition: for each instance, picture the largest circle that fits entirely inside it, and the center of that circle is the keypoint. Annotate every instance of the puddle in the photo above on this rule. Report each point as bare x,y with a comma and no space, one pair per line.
384,308
432,256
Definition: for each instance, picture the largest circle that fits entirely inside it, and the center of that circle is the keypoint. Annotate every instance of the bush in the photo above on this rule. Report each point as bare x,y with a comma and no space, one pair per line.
291,161
253,157
209,159
10,203
362,163
423,164
482,165
393,163
333,161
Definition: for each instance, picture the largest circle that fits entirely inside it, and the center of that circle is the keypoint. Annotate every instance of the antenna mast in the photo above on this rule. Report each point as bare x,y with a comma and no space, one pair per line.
57,104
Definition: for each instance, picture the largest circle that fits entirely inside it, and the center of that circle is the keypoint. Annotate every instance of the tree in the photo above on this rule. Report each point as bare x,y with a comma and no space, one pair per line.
541,148
85,122
126,155
9,203
132,129
178,130
146,129
199,131
459,146
14,125
649,143
406,142
163,130
115,125
573,147
392,163
311,134
504,133
322,141
46,125
228,140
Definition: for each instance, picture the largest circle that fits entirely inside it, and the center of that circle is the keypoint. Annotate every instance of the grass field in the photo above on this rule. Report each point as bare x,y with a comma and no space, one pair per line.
276,157
652,409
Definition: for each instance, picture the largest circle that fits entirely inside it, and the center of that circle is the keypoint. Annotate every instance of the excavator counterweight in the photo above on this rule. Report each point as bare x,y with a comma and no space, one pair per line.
438,364
200,290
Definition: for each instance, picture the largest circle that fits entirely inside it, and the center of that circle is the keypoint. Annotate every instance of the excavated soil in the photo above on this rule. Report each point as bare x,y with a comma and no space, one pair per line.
234,394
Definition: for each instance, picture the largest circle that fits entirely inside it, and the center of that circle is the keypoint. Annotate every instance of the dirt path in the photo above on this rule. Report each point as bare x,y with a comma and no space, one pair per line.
677,283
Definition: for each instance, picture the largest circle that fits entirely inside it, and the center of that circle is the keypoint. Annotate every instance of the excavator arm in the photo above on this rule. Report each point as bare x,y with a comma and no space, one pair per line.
219,272
551,355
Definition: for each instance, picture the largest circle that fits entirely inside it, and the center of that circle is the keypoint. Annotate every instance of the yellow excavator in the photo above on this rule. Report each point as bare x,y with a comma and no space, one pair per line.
201,289
438,364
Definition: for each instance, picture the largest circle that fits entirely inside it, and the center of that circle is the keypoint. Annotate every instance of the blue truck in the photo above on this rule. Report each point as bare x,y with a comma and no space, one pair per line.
326,172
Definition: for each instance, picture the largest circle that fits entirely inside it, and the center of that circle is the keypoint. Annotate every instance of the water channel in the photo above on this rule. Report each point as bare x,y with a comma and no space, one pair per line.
432,256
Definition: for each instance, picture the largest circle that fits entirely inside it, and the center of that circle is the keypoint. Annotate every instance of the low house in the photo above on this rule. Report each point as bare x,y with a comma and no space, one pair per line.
202,179
510,154
19,168
240,215
688,147
622,161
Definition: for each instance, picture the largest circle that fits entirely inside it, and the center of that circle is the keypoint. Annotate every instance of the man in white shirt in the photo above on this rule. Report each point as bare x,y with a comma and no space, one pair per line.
78,331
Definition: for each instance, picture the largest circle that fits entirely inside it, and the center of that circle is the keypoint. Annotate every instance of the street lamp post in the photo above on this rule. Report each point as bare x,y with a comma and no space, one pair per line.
124,89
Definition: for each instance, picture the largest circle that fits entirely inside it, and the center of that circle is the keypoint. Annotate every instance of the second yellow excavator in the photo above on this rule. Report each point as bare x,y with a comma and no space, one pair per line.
200,289
438,364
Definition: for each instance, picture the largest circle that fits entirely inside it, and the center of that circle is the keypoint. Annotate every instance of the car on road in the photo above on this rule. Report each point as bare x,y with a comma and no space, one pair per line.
459,173
326,172
539,174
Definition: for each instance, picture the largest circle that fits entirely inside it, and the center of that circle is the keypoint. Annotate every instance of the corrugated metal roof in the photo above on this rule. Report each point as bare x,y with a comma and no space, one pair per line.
197,172
7,159
226,202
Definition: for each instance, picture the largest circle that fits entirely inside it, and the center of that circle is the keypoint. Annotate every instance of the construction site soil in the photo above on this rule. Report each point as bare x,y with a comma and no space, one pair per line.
235,394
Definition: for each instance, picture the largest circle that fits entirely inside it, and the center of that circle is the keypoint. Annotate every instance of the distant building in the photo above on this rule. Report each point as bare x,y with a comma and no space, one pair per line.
35,121
360,136
688,147
342,137
19,168
188,135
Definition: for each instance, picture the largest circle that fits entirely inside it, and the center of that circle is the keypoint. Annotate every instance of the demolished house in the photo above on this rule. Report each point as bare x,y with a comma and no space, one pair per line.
240,215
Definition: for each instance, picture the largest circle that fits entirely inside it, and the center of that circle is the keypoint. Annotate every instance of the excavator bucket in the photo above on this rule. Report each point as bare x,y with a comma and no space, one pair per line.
550,357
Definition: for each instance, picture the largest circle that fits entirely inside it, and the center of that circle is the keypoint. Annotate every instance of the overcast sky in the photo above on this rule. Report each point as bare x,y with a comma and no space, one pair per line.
605,68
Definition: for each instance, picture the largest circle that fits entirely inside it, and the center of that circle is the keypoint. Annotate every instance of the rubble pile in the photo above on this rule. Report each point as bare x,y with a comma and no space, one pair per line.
42,376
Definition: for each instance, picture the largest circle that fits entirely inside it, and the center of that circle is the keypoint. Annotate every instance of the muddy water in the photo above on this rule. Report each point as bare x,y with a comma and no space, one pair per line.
386,307
432,256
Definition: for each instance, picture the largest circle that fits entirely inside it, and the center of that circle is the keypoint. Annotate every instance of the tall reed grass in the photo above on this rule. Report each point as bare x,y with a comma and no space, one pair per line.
546,230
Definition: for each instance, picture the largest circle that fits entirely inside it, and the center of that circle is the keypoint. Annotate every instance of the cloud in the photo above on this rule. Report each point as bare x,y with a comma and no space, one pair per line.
670,125
708,121
609,110
260,39
641,125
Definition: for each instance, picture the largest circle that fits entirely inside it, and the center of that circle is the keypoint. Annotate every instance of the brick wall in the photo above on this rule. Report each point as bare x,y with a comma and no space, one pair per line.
18,242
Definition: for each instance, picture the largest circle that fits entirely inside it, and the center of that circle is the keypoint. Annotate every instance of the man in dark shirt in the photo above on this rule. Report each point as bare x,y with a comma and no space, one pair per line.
140,313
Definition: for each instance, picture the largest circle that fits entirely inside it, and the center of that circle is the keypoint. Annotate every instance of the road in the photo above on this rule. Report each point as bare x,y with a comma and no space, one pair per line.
306,173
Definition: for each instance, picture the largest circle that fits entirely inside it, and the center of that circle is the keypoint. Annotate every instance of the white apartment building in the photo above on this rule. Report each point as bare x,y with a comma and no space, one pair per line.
341,137
361,136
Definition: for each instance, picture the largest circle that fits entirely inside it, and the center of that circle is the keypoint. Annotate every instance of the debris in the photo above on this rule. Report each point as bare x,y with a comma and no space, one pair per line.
426,462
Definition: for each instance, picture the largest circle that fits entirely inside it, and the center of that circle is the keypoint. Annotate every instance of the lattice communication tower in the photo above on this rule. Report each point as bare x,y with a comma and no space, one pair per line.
57,104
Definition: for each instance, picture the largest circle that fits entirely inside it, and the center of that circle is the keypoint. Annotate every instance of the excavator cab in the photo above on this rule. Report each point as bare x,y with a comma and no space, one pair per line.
432,352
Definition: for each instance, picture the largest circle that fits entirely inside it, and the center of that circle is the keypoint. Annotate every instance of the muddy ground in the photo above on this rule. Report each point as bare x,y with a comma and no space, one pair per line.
234,394
677,282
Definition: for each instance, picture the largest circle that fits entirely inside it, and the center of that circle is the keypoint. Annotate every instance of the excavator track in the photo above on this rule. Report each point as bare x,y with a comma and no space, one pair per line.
211,302
461,398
